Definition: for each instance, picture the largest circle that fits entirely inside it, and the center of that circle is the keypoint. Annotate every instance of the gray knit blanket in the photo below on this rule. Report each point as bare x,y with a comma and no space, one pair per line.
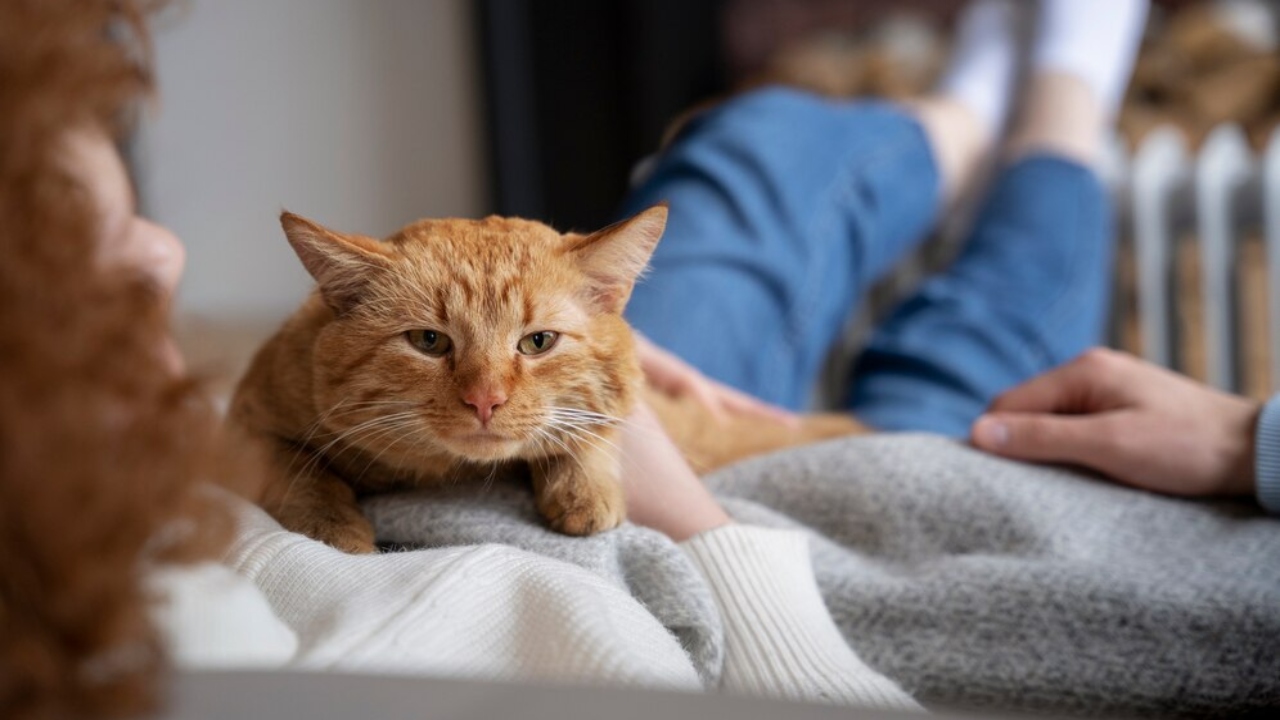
973,581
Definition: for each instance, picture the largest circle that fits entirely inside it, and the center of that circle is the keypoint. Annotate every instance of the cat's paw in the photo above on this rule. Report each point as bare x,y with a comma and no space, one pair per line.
353,542
326,511
352,535
584,511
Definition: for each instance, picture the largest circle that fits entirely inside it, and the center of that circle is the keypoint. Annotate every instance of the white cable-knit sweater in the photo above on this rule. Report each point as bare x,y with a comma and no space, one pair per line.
492,611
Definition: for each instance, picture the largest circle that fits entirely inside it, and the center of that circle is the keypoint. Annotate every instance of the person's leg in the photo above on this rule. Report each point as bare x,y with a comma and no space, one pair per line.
1030,289
783,206
769,196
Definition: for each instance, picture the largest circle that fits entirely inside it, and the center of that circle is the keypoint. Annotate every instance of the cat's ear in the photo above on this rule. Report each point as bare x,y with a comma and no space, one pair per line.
614,257
339,263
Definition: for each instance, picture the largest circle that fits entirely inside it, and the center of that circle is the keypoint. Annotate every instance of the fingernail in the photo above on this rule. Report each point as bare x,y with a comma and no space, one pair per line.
990,432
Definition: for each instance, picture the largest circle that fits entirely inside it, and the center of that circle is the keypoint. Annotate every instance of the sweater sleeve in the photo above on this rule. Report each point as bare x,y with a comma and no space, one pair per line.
1267,467
213,619
475,611
780,639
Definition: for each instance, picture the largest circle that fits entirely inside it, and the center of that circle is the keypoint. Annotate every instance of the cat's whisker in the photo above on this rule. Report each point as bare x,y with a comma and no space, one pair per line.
582,433
575,427
456,476
551,438
592,417
543,462
404,430
488,481
359,407
370,423
313,459
579,418
351,434
585,435
449,476
568,451
595,441
574,424
309,433
312,431
401,426
366,432
577,431
571,412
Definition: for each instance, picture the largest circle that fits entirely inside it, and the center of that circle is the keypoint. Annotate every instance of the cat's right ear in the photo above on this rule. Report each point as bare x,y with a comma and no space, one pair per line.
615,257
339,263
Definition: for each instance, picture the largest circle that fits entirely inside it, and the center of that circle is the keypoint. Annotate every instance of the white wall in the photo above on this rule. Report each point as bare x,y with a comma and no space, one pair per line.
361,114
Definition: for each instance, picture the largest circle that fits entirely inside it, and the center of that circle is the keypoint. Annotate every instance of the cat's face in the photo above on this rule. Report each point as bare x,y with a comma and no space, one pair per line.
485,339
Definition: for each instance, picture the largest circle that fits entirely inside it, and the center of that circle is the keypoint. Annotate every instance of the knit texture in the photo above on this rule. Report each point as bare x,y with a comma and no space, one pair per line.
779,638
636,561
980,582
485,611
968,579
1267,454
494,612
212,619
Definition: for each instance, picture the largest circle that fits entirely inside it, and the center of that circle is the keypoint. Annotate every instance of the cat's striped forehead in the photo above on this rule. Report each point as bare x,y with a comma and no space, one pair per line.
492,236
494,253
506,268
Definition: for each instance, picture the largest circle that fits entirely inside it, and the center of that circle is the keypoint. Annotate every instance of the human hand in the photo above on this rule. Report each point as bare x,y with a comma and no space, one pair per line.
673,376
662,491
1133,421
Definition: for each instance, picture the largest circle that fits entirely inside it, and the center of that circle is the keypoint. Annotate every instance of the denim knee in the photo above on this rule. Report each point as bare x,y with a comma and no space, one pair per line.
759,110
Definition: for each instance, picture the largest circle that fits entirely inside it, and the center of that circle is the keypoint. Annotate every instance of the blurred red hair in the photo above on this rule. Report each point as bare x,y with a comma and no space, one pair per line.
100,444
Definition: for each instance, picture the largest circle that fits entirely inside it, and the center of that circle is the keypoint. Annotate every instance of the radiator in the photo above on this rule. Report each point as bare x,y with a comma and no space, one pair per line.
1183,208
1184,218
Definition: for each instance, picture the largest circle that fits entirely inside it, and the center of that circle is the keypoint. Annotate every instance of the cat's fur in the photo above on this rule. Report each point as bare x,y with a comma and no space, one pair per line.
348,405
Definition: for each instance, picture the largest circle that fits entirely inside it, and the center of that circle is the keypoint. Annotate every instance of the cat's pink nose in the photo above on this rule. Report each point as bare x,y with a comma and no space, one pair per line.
484,402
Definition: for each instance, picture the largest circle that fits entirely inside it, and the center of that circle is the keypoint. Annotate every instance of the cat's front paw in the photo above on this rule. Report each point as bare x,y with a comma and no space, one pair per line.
353,541
584,510
347,531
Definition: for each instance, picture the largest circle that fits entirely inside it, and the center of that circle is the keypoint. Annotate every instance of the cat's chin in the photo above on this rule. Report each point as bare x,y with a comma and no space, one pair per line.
486,446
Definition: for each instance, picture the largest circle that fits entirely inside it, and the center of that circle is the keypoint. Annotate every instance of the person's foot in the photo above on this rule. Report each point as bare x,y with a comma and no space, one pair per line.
1094,40
983,67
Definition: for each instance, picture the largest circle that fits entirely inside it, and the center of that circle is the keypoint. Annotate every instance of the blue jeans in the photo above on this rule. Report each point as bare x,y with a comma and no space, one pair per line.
785,207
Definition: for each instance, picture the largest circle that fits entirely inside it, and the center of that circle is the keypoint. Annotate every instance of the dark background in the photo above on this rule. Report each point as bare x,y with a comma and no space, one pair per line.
578,90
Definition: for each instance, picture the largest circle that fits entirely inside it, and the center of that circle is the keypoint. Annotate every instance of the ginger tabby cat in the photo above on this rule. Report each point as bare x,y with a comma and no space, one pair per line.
458,349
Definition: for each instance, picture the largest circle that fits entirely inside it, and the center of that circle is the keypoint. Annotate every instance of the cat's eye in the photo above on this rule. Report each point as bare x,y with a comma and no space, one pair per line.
430,342
537,343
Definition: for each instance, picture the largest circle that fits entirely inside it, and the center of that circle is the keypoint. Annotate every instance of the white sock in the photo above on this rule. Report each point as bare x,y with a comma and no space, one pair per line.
983,63
1096,40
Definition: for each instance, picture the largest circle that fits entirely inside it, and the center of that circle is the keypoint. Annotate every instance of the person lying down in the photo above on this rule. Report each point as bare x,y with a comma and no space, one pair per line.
857,572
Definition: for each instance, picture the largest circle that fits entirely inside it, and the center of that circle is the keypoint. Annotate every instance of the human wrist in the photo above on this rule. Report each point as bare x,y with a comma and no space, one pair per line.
1240,426
1266,461
692,522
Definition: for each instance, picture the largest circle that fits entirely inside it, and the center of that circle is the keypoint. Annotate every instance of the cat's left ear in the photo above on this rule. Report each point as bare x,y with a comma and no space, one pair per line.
614,257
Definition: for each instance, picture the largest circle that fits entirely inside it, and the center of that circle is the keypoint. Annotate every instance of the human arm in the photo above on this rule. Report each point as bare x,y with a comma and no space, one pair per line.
1139,424
675,377
780,639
